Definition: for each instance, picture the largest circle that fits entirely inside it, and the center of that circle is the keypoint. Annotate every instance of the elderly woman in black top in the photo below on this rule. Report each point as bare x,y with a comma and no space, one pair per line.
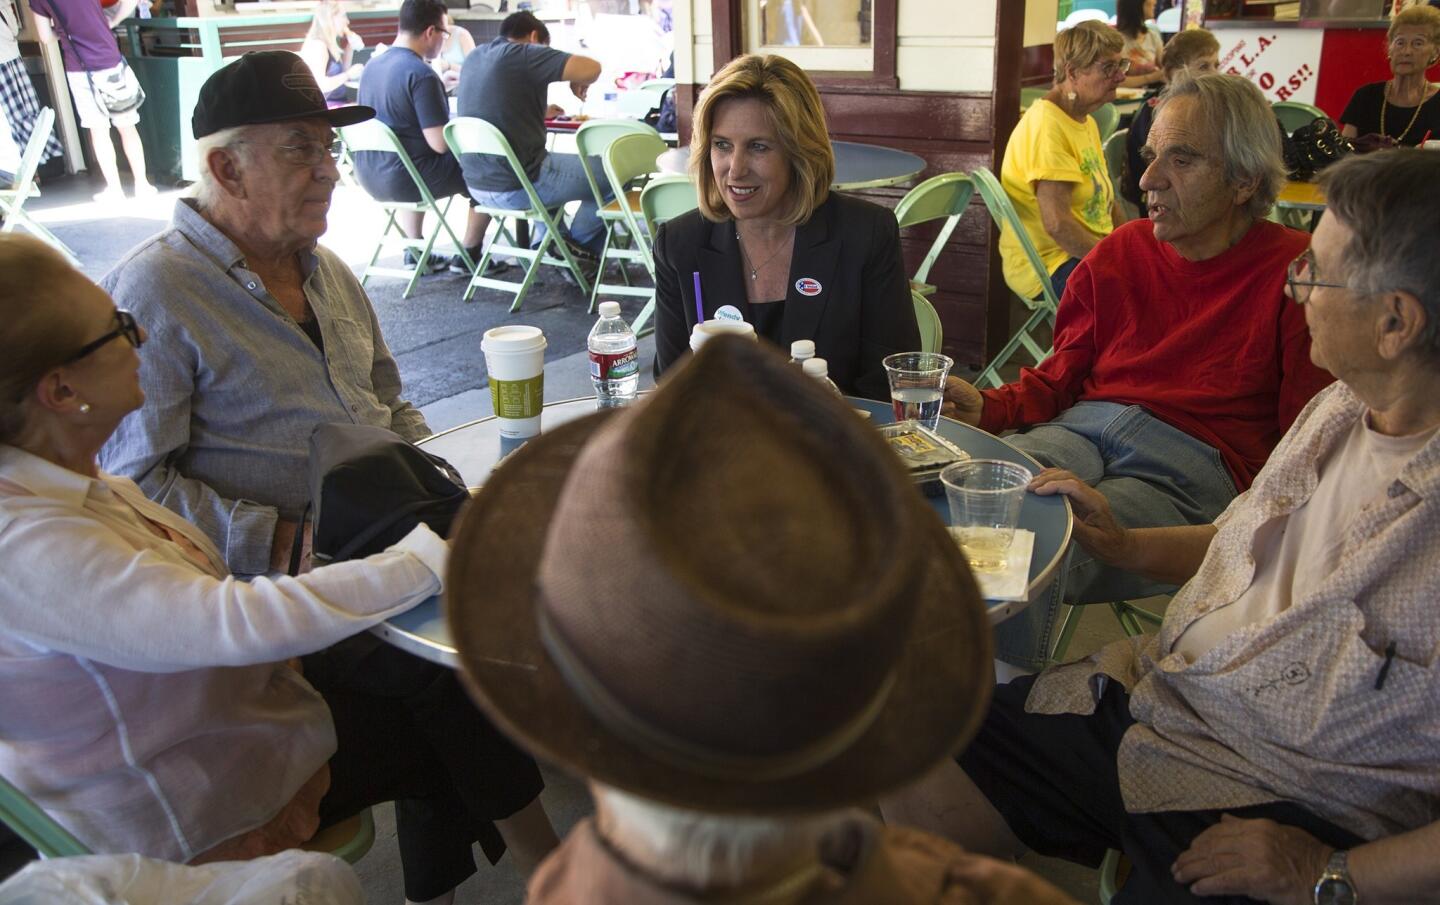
1402,110
770,239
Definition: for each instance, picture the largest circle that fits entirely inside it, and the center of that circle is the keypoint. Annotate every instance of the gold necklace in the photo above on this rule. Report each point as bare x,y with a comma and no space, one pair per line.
1385,101
754,270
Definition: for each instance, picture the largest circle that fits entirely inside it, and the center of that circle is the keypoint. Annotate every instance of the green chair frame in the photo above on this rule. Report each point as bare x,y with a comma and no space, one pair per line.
1293,114
1116,160
1029,96
472,135
12,200
940,197
1107,118
1134,621
373,135
665,198
932,335
591,141
628,158
1041,310
349,839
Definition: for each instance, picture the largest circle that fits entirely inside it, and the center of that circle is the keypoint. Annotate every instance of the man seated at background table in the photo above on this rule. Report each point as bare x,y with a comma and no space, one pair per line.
1282,724
409,97
785,671
506,83
259,334
1178,362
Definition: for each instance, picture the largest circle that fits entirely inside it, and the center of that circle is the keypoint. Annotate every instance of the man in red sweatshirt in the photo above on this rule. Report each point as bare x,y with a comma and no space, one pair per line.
1178,361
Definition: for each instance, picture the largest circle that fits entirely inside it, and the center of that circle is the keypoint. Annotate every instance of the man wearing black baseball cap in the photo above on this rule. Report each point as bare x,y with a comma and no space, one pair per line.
257,335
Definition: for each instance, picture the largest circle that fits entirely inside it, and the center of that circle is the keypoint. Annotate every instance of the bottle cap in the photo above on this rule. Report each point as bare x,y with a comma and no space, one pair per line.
802,349
816,367
609,309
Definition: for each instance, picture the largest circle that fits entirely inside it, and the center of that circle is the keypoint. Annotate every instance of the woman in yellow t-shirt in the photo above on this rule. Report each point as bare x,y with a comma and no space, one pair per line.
1054,168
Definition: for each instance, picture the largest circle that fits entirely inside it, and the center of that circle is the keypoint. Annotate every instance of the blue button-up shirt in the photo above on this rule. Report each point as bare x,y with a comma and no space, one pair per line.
234,387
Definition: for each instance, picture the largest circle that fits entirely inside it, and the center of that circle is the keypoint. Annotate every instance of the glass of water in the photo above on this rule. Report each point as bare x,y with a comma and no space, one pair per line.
917,385
985,497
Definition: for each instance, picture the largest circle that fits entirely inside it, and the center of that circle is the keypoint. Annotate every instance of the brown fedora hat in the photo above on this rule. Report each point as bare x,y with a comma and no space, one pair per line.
727,598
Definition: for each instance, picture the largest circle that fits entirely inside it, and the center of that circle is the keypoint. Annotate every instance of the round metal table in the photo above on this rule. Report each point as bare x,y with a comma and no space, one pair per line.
857,166
476,448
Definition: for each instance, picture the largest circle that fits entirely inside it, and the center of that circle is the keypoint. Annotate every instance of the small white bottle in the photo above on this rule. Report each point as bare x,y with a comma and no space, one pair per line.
614,365
820,370
801,351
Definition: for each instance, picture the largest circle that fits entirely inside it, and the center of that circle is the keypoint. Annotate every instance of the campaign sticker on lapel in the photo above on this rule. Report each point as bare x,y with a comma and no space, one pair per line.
808,286
728,313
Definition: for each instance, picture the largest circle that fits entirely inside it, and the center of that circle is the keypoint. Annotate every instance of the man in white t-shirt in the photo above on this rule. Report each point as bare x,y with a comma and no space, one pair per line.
1275,740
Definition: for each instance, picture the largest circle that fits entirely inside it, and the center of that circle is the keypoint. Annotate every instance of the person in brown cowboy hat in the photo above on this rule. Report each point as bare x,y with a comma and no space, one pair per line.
730,610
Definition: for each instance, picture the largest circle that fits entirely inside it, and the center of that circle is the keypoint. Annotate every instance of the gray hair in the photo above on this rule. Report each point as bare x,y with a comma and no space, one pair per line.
207,191
1390,202
707,850
1236,111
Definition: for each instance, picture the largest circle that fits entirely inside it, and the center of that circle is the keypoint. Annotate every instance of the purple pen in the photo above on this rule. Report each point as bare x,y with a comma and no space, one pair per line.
699,301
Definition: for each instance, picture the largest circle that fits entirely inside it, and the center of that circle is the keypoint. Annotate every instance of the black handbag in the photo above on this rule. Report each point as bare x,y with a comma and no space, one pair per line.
369,487
1313,147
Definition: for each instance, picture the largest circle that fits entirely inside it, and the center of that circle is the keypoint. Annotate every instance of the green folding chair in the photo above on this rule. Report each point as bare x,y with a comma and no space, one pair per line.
1293,114
1107,118
1042,310
932,337
12,200
373,135
1115,162
940,197
665,198
1029,96
472,135
349,839
591,141
628,158
1134,621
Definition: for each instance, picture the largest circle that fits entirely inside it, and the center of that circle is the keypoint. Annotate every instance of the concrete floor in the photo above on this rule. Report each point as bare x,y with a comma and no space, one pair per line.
435,337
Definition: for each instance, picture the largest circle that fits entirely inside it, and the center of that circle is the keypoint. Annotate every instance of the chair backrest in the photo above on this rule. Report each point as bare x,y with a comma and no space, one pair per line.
1003,213
626,159
931,336
1029,96
1084,15
26,818
1293,114
1107,118
30,157
473,135
1168,21
666,197
1115,162
594,137
659,86
373,135
944,196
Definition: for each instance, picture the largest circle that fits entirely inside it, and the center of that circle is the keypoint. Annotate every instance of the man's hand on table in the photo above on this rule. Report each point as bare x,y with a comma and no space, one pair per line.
553,111
1260,859
962,402
1095,526
283,544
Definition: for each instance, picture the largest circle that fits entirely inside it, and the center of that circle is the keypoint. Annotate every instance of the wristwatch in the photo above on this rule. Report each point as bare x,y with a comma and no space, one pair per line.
1334,886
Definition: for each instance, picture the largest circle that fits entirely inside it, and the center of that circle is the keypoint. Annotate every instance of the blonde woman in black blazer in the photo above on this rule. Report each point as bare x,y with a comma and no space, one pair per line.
771,241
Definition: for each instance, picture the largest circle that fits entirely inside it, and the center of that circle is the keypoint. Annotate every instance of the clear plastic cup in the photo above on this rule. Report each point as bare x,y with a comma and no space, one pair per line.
985,497
917,385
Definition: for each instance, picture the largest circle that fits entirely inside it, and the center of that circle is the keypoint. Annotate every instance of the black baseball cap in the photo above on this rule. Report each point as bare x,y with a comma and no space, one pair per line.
266,86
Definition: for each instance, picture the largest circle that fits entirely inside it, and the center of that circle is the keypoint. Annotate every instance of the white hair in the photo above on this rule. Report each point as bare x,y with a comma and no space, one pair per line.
707,850
207,191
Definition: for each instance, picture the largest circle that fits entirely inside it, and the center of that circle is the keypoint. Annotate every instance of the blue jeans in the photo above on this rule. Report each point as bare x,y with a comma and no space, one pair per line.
1152,474
559,181
1061,276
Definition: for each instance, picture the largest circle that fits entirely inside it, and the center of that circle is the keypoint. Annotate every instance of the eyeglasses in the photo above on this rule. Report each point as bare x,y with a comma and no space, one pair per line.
1112,68
1414,43
1300,284
306,153
127,328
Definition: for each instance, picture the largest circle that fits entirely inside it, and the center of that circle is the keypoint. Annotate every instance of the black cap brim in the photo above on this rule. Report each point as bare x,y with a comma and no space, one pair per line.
337,117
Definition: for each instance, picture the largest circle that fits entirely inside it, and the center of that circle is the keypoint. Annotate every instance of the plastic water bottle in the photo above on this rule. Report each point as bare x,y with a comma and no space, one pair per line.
820,370
801,350
614,363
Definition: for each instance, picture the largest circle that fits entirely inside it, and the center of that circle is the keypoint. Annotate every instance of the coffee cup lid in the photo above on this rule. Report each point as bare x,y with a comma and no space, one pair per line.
513,338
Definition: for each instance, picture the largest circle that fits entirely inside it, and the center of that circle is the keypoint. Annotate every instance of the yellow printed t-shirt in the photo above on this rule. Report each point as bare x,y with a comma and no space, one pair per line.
1048,144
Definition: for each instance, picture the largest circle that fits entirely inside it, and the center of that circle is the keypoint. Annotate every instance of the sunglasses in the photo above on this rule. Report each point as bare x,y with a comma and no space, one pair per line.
127,328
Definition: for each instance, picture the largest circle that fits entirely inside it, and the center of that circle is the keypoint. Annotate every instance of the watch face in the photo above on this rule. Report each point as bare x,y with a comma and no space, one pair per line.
1334,891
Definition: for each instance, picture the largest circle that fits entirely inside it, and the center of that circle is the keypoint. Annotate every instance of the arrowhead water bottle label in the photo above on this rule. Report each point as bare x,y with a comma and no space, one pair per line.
616,366
728,313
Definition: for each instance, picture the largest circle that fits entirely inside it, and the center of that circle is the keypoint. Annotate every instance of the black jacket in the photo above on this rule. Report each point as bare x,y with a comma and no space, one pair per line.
850,247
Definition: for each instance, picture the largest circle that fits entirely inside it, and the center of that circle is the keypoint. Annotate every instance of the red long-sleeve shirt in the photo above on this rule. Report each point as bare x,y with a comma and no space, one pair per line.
1213,347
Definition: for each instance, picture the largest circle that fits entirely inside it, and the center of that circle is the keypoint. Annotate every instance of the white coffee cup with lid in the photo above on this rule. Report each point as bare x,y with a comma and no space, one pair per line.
515,360
712,328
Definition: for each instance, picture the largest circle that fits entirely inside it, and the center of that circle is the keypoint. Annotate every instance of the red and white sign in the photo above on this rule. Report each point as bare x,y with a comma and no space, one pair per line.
1283,62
